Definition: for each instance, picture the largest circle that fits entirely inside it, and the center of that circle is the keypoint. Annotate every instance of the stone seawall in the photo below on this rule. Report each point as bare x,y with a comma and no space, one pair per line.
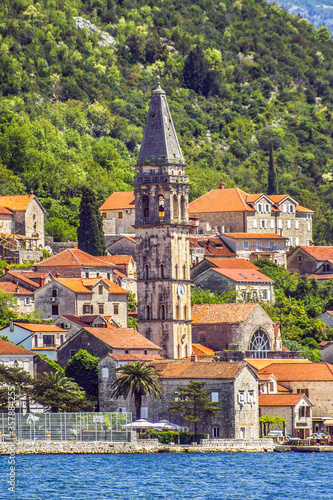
142,446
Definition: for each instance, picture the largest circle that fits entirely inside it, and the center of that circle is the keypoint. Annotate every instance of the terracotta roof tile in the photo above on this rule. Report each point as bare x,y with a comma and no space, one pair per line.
20,202
231,263
201,350
279,399
118,259
40,328
14,289
198,370
256,236
243,275
325,276
72,257
118,273
221,313
9,348
281,388
122,338
5,211
221,200
319,253
135,357
130,238
74,284
23,277
258,364
119,201
209,246
303,209
292,372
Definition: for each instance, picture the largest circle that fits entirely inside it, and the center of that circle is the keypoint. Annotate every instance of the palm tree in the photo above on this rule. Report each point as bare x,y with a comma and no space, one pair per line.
137,379
58,381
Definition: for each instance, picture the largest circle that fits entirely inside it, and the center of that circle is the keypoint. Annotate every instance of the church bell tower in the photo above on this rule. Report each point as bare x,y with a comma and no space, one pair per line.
162,234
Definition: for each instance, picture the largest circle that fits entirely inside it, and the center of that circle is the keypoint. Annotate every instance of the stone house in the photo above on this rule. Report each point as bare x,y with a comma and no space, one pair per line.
118,213
27,219
234,211
12,355
121,245
74,263
201,248
309,260
101,341
233,385
125,271
40,339
82,296
74,323
242,328
326,347
314,380
296,409
217,263
247,284
253,246
24,298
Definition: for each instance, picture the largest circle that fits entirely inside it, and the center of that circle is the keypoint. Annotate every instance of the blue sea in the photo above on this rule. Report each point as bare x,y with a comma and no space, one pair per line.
201,476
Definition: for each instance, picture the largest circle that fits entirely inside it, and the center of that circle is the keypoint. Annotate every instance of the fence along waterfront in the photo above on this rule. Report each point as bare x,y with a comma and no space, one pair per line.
99,426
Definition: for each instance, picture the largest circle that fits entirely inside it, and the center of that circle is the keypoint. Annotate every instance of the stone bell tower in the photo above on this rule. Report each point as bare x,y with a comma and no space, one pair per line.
162,234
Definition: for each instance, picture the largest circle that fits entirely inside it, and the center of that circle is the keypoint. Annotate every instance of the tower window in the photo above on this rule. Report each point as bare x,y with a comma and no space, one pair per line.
185,312
146,272
176,271
145,206
177,312
184,272
162,311
183,207
161,205
161,271
175,206
147,312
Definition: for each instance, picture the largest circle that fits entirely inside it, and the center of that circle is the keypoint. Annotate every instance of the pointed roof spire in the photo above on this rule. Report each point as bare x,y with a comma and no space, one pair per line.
160,143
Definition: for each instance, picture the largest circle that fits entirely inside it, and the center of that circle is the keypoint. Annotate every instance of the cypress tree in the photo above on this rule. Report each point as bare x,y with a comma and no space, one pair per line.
272,179
90,231
195,70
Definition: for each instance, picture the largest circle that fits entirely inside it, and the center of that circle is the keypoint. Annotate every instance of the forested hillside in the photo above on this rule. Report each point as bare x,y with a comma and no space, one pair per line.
238,75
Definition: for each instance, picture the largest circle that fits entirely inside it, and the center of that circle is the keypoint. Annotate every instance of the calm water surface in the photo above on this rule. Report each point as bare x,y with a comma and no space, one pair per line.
202,476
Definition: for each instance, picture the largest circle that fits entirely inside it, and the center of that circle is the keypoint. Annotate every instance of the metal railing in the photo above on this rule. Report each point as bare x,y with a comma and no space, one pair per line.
99,426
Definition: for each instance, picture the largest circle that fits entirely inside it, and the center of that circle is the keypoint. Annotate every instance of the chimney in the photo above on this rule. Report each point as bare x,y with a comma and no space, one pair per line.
98,275
281,232
194,358
41,282
17,287
11,325
57,275
6,270
221,186
207,244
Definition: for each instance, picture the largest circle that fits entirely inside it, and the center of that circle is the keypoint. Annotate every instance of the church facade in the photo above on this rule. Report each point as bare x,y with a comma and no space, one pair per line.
162,234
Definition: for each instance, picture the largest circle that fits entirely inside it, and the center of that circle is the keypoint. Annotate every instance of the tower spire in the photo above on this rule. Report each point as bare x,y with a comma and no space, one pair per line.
160,143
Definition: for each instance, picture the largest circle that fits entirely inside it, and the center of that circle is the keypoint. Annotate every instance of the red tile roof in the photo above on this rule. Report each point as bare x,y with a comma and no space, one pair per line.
243,275
86,285
211,246
303,209
256,236
201,350
231,263
14,289
9,348
5,211
292,372
221,200
40,328
185,369
20,202
72,257
258,364
279,399
221,313
118,259
319,253
135,357
122,338
119,201
23,277
321,276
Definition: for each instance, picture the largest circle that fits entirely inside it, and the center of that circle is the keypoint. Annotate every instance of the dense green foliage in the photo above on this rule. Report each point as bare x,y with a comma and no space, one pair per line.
90,231
72,110
200,296
193,403
7,310
167,437
298,304
83,369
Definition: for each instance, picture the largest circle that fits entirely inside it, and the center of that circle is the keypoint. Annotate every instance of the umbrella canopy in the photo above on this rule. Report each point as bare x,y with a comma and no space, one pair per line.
142,423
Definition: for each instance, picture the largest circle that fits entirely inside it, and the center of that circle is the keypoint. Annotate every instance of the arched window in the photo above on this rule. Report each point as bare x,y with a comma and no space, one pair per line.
184,272
177,312
183,207
146,272
185,312
145,206
161,273
161,205
176,271
175,206
162,311
147,312
259,344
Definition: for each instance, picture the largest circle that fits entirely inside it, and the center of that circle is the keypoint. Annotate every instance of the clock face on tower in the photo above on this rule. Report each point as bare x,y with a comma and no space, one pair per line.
181,291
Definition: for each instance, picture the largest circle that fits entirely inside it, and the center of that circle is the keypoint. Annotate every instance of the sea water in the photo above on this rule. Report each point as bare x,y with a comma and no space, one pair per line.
199,476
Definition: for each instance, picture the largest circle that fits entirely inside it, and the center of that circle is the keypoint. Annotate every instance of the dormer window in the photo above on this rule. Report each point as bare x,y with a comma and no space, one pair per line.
259,207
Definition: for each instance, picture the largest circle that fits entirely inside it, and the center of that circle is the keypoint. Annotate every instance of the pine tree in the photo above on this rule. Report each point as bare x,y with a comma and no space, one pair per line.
90,231
272,179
